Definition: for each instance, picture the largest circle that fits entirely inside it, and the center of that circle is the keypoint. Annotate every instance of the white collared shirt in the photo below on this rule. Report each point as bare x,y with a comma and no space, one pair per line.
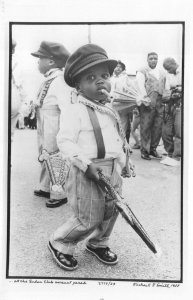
174,79
59,93
76,139
140,78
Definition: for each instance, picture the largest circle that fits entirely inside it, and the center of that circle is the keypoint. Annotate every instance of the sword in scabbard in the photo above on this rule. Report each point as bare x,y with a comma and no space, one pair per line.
57,168
45,157
125,211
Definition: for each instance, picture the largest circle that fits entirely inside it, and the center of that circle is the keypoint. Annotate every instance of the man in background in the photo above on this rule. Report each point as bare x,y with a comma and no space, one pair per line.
151,83
17,91
171,129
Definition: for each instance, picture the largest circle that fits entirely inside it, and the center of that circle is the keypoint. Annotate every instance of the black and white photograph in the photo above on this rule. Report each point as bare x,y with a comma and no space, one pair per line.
95,152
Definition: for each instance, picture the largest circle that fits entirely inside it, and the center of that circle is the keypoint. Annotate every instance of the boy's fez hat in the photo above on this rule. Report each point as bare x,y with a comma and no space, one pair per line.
54,51
83,58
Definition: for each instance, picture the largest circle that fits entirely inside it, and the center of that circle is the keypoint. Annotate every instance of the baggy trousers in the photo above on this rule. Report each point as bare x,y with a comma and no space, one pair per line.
94,214
151,119
48,120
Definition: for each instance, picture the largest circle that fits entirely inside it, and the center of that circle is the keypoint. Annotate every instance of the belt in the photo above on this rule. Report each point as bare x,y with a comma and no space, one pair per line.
49,107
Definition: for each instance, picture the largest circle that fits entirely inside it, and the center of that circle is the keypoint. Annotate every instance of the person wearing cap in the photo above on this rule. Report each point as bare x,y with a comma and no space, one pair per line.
92,138
53,97
171,129
18,93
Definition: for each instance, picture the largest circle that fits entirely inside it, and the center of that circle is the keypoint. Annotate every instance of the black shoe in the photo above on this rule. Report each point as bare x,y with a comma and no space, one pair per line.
104,254
145,156
65,261
154,153
56,203
41,193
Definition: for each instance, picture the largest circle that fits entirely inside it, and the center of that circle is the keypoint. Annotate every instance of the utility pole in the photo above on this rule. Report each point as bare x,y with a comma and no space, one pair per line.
89,34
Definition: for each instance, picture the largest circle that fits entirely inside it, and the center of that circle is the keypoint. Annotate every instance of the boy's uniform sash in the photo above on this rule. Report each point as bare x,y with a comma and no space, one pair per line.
43,91
105,110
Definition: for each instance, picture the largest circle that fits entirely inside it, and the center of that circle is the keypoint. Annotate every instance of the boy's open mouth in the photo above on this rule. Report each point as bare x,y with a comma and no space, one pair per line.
101,87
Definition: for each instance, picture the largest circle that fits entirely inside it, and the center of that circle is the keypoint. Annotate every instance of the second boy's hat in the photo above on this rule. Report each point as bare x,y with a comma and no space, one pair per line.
83,58
54,51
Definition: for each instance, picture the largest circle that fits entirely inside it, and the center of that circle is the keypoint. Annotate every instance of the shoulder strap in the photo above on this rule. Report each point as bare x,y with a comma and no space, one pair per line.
97,132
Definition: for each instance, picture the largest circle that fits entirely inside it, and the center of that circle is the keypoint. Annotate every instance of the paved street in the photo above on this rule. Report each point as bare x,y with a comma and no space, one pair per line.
154,196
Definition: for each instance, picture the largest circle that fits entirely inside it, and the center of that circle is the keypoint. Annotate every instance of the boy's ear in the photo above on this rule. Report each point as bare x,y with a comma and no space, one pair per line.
51,62
77,86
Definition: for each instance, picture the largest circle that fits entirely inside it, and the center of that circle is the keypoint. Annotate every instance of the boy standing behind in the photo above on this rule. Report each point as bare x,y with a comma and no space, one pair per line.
91,137
53,97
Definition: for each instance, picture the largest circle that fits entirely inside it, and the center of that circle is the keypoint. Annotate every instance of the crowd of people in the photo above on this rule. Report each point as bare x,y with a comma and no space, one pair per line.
27,116
158,111
23,114
92,136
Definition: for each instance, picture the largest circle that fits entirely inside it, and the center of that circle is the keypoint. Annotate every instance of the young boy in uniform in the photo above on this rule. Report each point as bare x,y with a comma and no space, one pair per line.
91,137
53,97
